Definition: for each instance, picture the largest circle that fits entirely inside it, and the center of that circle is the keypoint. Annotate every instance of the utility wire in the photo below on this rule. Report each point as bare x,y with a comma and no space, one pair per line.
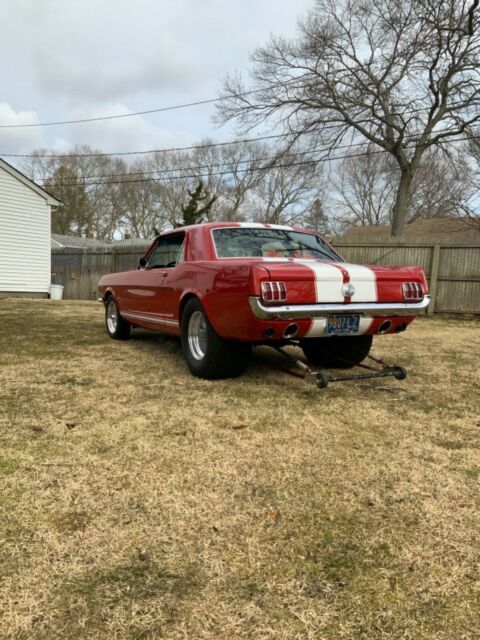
207,145
233,163
227,163
126,115
169,108
174,107
223,173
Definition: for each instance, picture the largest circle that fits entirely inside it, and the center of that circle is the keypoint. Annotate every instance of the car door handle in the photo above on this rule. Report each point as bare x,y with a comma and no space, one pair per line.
162,274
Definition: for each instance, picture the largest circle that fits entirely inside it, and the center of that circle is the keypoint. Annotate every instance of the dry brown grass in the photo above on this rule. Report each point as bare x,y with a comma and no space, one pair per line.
343,513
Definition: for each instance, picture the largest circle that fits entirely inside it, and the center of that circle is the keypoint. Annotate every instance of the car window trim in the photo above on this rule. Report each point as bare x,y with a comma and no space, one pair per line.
217,257
181,234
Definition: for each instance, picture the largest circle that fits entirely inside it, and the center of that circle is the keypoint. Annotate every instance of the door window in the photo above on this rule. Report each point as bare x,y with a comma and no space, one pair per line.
168,252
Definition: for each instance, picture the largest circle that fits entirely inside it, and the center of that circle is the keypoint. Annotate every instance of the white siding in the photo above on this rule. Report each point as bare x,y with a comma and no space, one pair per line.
24,238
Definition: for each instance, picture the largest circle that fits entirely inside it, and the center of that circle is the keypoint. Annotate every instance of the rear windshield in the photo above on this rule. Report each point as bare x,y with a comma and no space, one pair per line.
241,242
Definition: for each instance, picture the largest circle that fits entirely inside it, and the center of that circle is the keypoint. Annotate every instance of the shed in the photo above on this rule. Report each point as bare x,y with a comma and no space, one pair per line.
25,223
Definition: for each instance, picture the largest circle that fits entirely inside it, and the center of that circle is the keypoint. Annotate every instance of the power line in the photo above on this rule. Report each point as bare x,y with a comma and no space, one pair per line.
207,145
169,108
128,115
223,173
233,163
214,164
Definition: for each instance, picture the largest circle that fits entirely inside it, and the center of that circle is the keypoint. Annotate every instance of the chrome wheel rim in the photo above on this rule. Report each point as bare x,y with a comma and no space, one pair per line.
197,335
112,317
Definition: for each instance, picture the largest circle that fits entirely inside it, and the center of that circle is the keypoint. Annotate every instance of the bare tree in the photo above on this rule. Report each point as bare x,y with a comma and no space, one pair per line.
400,74
284,193
470,210
441,186
231,173
365,188
137,201
84,181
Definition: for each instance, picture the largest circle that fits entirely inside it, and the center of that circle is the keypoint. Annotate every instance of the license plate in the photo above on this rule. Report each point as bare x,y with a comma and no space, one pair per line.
342,325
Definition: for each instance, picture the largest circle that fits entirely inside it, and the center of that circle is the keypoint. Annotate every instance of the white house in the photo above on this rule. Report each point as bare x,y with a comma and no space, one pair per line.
25,221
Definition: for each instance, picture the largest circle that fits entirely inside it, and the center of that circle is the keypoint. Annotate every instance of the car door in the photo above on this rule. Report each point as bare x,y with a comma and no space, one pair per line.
147,299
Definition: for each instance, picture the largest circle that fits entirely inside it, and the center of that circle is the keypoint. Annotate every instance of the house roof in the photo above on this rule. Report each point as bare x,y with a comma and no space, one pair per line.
75,242
455,228
132,242
51,200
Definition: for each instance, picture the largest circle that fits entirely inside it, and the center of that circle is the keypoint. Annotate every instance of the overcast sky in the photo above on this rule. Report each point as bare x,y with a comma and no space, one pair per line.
71,59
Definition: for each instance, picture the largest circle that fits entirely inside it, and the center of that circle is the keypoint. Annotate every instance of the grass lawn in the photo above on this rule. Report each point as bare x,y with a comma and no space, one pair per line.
139,502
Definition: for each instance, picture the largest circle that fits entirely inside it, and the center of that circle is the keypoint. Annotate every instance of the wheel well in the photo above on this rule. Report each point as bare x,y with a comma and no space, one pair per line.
183,303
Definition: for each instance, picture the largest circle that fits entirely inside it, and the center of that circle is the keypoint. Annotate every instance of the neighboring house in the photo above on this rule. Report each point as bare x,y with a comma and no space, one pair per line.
25,222
444,230
75,242
133,243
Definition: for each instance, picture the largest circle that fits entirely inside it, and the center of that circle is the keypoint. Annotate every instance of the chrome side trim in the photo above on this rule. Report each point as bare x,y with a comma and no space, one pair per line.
130,315
375,309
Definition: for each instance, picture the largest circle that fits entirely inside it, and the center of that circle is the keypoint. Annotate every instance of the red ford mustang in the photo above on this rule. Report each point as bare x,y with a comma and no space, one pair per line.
223,287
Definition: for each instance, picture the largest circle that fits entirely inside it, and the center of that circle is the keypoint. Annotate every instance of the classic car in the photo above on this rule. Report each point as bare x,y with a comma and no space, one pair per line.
223,287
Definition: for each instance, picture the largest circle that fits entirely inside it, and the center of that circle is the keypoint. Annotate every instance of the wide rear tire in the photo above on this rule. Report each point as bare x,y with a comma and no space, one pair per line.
207,354
339,352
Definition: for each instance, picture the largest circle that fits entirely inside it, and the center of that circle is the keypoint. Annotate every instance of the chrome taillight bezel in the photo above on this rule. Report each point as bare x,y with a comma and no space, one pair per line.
273,291
412,291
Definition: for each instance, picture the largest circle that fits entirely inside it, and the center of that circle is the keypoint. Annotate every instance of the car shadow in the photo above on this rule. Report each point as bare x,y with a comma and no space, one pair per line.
264,358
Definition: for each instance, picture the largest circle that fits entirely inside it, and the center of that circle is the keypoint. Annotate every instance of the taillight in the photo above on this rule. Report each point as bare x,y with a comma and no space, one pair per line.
412,291
273,291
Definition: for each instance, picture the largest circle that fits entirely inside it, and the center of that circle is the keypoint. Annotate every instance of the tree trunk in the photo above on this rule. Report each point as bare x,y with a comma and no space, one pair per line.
399,212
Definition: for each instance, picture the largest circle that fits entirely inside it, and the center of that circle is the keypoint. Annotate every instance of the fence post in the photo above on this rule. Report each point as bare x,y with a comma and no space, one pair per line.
434,278
114,265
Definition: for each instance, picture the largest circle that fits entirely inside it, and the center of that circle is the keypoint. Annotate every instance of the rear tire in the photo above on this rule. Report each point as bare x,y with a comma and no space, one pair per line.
117,328
340,352
207,354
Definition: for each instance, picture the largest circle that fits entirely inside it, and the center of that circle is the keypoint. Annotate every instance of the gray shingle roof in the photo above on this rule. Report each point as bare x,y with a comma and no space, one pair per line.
59,242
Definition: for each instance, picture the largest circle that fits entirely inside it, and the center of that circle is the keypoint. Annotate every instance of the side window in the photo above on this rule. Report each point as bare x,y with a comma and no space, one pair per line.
168,252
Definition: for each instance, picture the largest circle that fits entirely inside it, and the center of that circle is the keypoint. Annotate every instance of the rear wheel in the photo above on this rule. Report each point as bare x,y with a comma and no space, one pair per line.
117,327
207,354
342,352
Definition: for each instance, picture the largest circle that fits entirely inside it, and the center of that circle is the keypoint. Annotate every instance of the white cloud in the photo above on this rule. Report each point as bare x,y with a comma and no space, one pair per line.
20,140
94,55
123,134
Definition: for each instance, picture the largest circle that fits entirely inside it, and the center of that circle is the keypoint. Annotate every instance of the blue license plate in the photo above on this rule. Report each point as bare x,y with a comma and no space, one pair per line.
342,325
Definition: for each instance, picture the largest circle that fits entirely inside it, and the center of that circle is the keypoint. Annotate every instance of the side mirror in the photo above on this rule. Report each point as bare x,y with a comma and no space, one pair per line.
142,263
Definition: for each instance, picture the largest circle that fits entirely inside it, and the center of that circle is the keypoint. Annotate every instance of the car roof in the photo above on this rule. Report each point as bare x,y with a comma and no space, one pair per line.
240,225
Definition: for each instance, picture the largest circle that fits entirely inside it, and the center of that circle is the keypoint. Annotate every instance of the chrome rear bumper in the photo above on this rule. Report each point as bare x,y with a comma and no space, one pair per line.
372,309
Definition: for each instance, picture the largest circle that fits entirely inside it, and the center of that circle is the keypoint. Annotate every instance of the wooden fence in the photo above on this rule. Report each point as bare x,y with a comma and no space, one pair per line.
80,270
453,270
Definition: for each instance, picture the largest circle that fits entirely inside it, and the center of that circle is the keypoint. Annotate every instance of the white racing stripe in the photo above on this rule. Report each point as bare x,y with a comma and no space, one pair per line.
364,281
260,225
328,280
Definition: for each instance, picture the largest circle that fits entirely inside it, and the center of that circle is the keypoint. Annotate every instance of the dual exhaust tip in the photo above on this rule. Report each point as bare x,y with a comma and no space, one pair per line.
292,329
289,332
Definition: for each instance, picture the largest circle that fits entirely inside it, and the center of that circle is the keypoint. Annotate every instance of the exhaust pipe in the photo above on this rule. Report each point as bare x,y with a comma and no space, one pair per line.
384,327
291,331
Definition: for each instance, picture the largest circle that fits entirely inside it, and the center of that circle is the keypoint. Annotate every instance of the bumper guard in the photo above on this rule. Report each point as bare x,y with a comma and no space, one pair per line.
371,309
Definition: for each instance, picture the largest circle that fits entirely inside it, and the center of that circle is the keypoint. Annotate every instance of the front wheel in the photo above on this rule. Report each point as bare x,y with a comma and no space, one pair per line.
117,328
207,354
342,352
